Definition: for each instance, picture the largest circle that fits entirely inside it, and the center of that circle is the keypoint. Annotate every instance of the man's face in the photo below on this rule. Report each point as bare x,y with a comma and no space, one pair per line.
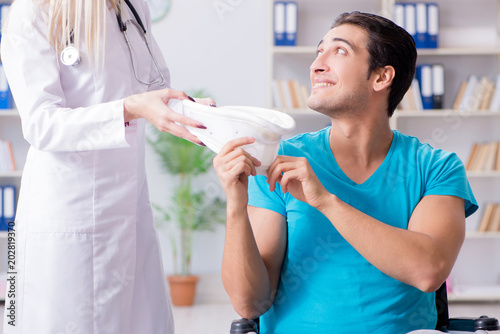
339,73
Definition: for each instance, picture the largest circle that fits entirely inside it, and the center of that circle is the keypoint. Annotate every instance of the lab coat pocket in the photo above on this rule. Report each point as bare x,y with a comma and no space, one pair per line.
59,199
58,283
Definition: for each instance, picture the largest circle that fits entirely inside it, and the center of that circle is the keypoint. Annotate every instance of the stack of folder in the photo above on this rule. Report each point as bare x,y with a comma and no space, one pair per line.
478,94
490,219
484,157
421,20
427,89
285,23
290,94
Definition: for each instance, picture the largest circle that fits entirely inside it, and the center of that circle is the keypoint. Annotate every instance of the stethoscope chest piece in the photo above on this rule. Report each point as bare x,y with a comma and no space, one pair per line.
70,56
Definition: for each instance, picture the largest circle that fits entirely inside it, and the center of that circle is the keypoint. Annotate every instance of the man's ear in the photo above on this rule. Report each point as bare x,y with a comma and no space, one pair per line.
383,77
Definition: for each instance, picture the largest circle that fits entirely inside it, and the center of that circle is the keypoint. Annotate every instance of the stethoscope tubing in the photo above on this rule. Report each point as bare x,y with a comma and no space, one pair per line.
71,57
123,26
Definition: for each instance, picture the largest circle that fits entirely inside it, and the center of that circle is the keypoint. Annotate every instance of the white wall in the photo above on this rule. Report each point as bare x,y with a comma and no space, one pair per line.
224,52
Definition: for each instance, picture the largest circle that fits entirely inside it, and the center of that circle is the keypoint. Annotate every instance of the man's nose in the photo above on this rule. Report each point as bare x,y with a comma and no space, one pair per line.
319,64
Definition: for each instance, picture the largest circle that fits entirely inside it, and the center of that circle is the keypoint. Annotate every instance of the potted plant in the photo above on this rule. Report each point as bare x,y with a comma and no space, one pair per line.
190,210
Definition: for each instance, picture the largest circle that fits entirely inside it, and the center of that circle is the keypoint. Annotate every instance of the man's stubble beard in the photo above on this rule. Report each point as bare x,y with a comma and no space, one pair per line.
346,106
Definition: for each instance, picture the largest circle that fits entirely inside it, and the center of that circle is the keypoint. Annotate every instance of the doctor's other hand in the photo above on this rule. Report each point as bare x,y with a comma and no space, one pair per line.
233,165
208,101
152,106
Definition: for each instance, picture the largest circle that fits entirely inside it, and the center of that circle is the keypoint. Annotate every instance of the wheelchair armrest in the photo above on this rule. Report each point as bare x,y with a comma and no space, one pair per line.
472,324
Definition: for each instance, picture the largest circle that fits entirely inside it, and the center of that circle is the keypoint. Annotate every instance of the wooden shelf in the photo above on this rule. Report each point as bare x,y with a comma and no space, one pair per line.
483,174
17,173
305,50
475,294
299,111
444,113
461,51
9,113
445,51
482,235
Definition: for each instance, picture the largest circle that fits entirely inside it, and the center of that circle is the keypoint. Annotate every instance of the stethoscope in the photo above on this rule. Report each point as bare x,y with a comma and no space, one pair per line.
70,56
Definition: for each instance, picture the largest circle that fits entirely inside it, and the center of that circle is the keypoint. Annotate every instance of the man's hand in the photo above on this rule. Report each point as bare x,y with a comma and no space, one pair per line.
233,166
296,176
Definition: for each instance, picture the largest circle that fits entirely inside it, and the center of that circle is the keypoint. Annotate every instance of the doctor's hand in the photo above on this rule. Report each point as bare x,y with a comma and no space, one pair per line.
152,106
233,165
296,176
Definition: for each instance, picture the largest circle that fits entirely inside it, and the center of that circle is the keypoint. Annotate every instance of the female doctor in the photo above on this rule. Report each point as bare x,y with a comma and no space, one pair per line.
88,259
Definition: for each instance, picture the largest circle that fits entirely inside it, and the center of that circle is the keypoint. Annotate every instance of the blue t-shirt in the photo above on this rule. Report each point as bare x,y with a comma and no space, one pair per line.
326,286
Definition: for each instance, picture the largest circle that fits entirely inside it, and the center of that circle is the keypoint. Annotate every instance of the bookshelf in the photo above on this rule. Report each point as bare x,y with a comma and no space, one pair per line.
469,43
10,129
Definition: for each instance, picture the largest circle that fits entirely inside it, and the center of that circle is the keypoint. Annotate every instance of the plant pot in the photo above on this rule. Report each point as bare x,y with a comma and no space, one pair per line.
182,289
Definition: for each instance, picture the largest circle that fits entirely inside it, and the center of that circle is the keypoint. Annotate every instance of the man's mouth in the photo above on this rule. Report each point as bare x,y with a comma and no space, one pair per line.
323,84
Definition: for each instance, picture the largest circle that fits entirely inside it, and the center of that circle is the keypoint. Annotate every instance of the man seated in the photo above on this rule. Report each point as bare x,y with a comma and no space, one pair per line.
354,226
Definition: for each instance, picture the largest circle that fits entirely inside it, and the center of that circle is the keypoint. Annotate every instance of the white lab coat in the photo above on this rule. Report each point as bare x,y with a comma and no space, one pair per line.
88,259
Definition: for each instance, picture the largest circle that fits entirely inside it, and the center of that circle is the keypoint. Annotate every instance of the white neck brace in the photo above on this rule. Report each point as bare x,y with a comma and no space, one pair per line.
226,123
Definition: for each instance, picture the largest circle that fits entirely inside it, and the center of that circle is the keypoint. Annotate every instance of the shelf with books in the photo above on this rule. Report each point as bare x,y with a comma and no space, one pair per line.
451,129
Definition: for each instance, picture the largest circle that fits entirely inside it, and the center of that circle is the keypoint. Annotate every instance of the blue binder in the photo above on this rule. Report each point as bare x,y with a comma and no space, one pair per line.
279,23
437,86
433,25
410,20
421,25
291,16
398,16
4,11
6,100
8,206
1,208
424,76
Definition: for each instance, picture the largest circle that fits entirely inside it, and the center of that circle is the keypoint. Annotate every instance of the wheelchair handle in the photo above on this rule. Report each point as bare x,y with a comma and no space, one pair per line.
243,326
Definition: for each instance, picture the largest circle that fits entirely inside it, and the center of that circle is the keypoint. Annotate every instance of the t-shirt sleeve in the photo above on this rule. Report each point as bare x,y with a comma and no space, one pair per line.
260,196
447,176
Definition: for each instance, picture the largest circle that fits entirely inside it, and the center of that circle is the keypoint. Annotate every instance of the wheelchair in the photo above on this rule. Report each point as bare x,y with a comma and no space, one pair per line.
482,324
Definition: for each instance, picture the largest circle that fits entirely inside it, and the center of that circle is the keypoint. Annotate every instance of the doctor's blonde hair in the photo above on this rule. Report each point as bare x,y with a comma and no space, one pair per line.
67,18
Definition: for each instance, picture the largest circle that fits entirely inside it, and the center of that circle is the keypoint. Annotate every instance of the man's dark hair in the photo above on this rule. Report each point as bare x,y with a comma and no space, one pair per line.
388,44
